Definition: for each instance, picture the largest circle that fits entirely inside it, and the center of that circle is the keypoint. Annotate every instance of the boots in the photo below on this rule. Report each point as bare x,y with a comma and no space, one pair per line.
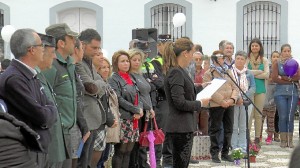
290,140
276,137
283,139
215,158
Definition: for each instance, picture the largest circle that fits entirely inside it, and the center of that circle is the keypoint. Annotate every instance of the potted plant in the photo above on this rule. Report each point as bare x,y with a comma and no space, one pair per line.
253,152
237,155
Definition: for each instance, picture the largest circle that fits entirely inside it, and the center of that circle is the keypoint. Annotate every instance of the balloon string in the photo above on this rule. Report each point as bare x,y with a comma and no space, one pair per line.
290,112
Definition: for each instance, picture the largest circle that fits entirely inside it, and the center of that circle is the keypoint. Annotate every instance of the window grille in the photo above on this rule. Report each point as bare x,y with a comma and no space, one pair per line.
162,19
262,20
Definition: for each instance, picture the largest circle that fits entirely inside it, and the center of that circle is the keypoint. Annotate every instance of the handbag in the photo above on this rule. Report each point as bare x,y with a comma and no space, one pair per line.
158,134
113,134
201,145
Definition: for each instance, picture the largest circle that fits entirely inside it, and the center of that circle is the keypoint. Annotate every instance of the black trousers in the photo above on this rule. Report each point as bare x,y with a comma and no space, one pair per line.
276,122
122,155
182,147
217,116
86,156
167,151
138,155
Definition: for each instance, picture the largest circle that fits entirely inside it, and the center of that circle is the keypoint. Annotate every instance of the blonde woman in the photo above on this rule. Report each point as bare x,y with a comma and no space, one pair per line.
105,69
136,56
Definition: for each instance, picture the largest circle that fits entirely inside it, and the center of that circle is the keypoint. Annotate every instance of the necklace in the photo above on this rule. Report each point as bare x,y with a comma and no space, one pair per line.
255,61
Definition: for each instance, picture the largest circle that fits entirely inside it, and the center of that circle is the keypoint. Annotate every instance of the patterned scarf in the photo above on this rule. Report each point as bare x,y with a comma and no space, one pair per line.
220,70
240,77
255,61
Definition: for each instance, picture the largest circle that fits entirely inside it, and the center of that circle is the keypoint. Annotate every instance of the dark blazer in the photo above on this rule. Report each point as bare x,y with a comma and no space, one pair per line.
181,95
94,114
26,100
126,96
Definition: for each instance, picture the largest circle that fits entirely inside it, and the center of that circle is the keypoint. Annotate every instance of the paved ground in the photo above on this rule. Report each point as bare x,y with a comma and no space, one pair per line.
269,156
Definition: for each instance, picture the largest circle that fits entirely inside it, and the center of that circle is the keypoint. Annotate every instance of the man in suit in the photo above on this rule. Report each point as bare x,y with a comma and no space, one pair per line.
95,105
23,93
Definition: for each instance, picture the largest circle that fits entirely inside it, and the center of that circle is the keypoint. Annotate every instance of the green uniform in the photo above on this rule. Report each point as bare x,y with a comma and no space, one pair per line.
56,149
62,79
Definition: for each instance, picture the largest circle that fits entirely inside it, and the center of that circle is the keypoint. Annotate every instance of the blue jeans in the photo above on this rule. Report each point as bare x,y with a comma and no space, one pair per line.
239,128
286,106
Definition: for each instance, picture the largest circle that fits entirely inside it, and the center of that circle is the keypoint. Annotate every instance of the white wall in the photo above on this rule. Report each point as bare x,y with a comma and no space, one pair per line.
294,27
213,21
120,17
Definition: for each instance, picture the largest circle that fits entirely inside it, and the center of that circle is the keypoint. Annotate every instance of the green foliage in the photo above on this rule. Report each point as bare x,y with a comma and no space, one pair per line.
237,154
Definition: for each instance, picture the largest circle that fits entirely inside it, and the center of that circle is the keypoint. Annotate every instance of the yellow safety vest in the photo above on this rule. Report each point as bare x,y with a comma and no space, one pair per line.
159,59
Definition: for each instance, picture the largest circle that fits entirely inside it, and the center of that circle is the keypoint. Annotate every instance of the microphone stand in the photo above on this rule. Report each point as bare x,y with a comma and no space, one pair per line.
246,102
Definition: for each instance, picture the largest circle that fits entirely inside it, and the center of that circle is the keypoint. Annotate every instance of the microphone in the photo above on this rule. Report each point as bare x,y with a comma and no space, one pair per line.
246,102
214,58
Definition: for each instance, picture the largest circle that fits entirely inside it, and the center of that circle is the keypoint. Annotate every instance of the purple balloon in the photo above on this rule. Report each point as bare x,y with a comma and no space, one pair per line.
290,67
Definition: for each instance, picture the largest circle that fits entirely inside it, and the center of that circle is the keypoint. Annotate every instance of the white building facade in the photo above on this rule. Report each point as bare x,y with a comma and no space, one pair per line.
208,22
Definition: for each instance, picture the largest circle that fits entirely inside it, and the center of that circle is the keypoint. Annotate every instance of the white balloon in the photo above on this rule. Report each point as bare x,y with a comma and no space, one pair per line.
6,32
179,19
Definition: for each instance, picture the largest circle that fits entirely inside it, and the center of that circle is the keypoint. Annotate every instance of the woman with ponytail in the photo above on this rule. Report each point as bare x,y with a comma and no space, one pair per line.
181,96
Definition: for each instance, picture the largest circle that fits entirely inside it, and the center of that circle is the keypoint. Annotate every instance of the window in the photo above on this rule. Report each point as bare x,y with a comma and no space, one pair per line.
78,19
162,16
159,14
79,15
262,20
265,20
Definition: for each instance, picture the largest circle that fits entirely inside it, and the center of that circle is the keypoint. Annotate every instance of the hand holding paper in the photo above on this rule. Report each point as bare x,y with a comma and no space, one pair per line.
210,89
205,102
205,84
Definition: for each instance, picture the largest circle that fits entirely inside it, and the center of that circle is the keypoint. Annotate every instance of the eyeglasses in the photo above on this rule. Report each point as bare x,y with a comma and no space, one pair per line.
197,59
38,45
219,55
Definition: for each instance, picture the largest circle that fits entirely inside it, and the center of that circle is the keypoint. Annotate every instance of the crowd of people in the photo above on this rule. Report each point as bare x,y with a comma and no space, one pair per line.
73,108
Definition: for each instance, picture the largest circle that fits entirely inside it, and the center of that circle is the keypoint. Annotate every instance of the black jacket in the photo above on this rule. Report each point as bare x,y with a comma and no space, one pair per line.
126,96
27,101
14,142
181,95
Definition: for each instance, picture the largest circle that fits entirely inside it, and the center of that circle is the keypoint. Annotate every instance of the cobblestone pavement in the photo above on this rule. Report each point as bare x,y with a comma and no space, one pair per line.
269,155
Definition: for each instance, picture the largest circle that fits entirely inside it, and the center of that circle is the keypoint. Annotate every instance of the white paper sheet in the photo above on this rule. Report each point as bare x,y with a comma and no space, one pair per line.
210,89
